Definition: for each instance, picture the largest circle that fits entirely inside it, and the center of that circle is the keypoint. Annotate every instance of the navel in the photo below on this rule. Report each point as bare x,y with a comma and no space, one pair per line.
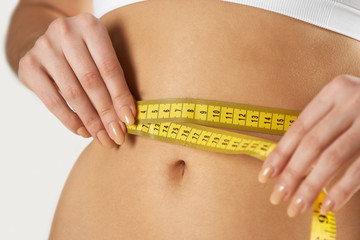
177,171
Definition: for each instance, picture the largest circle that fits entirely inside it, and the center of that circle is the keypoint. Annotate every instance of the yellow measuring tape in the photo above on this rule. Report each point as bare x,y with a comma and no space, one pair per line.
188,122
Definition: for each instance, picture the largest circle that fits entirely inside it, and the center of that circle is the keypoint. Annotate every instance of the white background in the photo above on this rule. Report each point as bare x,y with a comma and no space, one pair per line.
36,153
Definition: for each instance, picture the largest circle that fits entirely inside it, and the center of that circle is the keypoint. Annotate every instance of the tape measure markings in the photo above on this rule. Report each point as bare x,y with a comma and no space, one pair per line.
323,226
205,137
218,114
187,122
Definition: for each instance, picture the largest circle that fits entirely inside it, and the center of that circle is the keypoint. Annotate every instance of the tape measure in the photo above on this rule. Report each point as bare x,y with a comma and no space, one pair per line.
190,122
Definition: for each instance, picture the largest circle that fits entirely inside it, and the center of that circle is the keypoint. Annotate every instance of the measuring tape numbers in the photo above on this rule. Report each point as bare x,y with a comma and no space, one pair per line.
190,122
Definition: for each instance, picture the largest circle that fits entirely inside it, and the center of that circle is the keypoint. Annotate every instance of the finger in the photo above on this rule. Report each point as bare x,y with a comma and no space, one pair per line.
330,162
343,190
73,93
313,112
40,83
84,68
323,102
310,147
101,49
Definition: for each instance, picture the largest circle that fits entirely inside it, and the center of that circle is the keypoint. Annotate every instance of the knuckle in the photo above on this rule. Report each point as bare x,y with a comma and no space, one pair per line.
53,102
60,25
43,42
104,113
90,80
311,141
333,158
27,64
28,60
124,97
72,92
88,20
298,128
342,81
92,123
111,68
290,174
71,121
342,192
309,188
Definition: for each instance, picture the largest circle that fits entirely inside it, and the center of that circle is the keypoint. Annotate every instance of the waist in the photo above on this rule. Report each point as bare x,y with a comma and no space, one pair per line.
206,50
170,191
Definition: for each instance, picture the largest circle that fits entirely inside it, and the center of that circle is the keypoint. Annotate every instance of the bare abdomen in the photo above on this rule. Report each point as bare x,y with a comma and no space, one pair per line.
207,50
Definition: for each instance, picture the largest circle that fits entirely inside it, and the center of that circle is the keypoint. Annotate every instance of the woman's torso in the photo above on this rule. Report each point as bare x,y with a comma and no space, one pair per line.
213,50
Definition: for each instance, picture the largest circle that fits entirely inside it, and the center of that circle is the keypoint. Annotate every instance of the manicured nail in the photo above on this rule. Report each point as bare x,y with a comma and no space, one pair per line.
265,173
278,194
127,116
116,133
123,127
105,139
83,132
296,207
326,206
133,110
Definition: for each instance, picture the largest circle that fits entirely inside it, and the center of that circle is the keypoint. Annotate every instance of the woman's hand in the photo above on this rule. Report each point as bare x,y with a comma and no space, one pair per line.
324,137
74,62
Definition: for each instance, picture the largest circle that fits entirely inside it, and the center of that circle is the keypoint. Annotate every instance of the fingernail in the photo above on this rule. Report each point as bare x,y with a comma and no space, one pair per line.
297,206
278,194
116,133
326,206
133,110
83,132
127,116
105,139
123,127
265,173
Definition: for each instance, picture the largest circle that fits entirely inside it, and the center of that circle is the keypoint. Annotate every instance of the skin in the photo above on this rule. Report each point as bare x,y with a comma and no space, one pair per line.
69,59
324,138
346,88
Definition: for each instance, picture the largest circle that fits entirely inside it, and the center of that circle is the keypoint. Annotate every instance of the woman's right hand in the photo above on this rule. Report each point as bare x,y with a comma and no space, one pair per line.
74,62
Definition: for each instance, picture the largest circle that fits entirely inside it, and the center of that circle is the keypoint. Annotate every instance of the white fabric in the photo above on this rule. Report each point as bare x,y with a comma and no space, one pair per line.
101,7
342,16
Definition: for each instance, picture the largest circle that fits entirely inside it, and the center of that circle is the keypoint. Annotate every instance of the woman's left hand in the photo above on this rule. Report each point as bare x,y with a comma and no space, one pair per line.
324,137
